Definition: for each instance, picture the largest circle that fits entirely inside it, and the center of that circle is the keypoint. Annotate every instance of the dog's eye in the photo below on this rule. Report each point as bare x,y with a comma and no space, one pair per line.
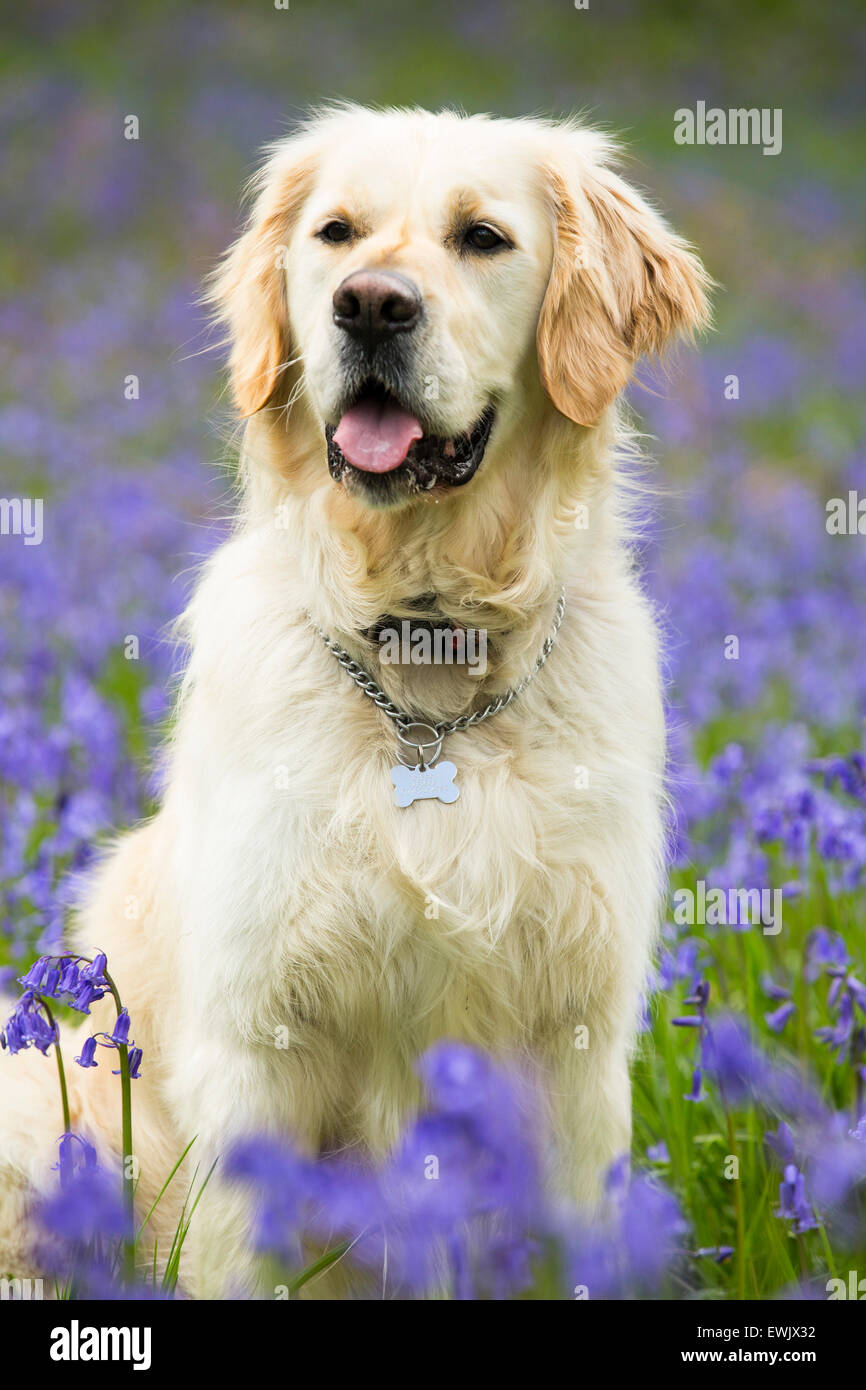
482,237
335,232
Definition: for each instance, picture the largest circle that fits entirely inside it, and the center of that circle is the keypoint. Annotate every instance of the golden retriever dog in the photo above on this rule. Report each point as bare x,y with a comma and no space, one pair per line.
431,319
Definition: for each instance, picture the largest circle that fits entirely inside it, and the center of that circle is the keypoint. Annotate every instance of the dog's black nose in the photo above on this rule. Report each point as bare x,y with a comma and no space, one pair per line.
373,305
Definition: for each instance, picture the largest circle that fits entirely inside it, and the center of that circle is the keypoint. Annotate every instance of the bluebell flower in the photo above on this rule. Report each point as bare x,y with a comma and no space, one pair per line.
736,1065
75,1154
793,1203
857,990
27,1026
776,1020
825,952
120,1032
133,1057
839,1034
699,999
658,1153
69,982
836,1162
95,969
88,1207
457,1077
282,1183
36,974
696,1092
88,1053
859,1131
782,1143
773,990
652,1230
88,993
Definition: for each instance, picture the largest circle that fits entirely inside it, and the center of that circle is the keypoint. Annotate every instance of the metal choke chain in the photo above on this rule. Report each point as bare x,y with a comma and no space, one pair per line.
365,682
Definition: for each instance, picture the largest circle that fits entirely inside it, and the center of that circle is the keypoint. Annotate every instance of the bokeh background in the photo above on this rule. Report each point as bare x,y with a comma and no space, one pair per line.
106,242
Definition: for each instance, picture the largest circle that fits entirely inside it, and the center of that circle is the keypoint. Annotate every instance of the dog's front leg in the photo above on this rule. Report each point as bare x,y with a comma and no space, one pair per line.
589,1097
229,1090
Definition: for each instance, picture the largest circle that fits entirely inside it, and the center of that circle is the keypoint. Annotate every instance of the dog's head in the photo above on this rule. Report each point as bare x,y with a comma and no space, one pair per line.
421,283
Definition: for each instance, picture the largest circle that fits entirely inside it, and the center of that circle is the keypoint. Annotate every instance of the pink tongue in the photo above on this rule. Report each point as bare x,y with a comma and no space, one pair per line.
376,436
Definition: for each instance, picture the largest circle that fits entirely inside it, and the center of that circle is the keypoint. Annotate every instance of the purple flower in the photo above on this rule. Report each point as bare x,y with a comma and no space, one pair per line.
120,1034
658,1153
793,1203
88,993
696,1093
857,990
776,1020
772,990
282,1183
681,964
836,1161
75,1155
652,1229
825,951
88,1053
69,983
458,1078
36,974
699,998
840,1033
95,970
88,1207
27,1026
782,1143
731,1059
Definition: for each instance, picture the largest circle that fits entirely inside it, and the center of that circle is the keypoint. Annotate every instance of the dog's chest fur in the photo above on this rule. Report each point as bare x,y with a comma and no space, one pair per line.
319,907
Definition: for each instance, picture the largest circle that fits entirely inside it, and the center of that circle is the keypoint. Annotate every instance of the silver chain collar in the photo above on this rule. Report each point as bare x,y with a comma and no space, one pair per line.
404,721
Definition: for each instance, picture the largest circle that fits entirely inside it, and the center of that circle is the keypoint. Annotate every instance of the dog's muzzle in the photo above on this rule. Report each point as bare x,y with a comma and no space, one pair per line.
380,446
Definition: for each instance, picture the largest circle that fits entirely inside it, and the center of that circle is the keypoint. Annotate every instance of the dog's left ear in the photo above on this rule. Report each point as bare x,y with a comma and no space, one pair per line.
247,290
622,284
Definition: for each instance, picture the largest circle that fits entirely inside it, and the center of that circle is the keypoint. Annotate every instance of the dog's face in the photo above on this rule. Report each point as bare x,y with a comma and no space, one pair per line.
418,277
415,278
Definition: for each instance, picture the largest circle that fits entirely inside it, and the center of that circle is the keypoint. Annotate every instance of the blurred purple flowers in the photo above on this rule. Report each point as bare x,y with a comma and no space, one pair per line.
793,1203
459,1205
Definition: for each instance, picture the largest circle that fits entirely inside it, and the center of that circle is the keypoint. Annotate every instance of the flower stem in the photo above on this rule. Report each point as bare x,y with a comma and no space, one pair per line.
740,1213
128,1159
61,1073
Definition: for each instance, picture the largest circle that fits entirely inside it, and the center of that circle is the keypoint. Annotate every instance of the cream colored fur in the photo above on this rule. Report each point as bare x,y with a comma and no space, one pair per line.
288,940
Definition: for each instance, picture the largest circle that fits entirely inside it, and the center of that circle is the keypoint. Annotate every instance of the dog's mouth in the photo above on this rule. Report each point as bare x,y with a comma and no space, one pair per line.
381,446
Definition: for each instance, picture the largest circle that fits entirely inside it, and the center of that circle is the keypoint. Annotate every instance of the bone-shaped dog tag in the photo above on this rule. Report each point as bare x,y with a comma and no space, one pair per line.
420,783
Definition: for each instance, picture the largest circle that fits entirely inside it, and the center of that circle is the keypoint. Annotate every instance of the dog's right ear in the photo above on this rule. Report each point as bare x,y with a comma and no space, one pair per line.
247,290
